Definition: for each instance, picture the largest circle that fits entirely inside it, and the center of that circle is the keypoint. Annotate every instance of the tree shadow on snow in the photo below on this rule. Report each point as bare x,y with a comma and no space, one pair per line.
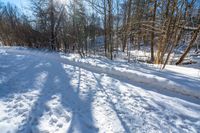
58,83
113,105
146,110
14,74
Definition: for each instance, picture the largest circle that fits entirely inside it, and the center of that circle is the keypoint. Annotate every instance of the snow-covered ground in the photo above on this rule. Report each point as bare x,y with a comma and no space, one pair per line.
53,93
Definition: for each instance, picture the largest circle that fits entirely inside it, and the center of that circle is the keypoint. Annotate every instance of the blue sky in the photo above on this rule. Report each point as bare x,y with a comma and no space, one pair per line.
23,5
19,3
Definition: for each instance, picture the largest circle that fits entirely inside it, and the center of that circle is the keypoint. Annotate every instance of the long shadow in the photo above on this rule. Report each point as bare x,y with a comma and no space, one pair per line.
156,108
123,123
169,75
190,82
160,90
15,74
58,82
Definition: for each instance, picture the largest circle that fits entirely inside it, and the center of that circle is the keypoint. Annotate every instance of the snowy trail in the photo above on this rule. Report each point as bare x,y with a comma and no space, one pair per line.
39,94
178,79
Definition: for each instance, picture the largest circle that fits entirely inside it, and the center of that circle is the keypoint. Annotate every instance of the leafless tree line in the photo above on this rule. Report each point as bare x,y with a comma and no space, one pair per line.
160,25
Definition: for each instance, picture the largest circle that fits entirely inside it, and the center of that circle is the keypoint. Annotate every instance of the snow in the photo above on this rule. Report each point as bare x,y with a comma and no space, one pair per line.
53,93
173,78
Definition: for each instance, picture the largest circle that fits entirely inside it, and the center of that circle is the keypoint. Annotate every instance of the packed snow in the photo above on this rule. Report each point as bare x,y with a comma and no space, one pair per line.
46,92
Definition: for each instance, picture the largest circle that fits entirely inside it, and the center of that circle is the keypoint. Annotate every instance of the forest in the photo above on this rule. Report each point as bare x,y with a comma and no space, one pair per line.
161,25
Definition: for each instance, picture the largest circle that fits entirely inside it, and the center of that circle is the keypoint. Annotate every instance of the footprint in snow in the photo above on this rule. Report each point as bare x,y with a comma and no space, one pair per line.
53,120
60,125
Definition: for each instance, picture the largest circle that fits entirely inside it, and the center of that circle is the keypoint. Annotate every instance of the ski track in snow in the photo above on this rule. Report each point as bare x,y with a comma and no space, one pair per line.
44,95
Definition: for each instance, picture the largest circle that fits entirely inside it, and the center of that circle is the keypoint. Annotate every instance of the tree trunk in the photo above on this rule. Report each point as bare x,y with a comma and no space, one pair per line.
105,27
127,24
152,33
52,40
189,46
110,28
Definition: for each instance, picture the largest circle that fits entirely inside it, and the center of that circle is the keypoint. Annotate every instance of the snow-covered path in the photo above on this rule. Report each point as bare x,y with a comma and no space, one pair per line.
39,94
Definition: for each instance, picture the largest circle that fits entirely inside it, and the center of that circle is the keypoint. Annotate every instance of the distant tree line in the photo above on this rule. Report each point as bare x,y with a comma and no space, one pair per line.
160,25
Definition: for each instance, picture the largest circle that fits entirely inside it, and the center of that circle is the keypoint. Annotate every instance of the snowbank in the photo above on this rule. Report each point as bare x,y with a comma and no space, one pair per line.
192,88
182,82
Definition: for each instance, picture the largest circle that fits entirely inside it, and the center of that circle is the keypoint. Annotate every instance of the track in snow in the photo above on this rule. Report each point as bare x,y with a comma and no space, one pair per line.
40,94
